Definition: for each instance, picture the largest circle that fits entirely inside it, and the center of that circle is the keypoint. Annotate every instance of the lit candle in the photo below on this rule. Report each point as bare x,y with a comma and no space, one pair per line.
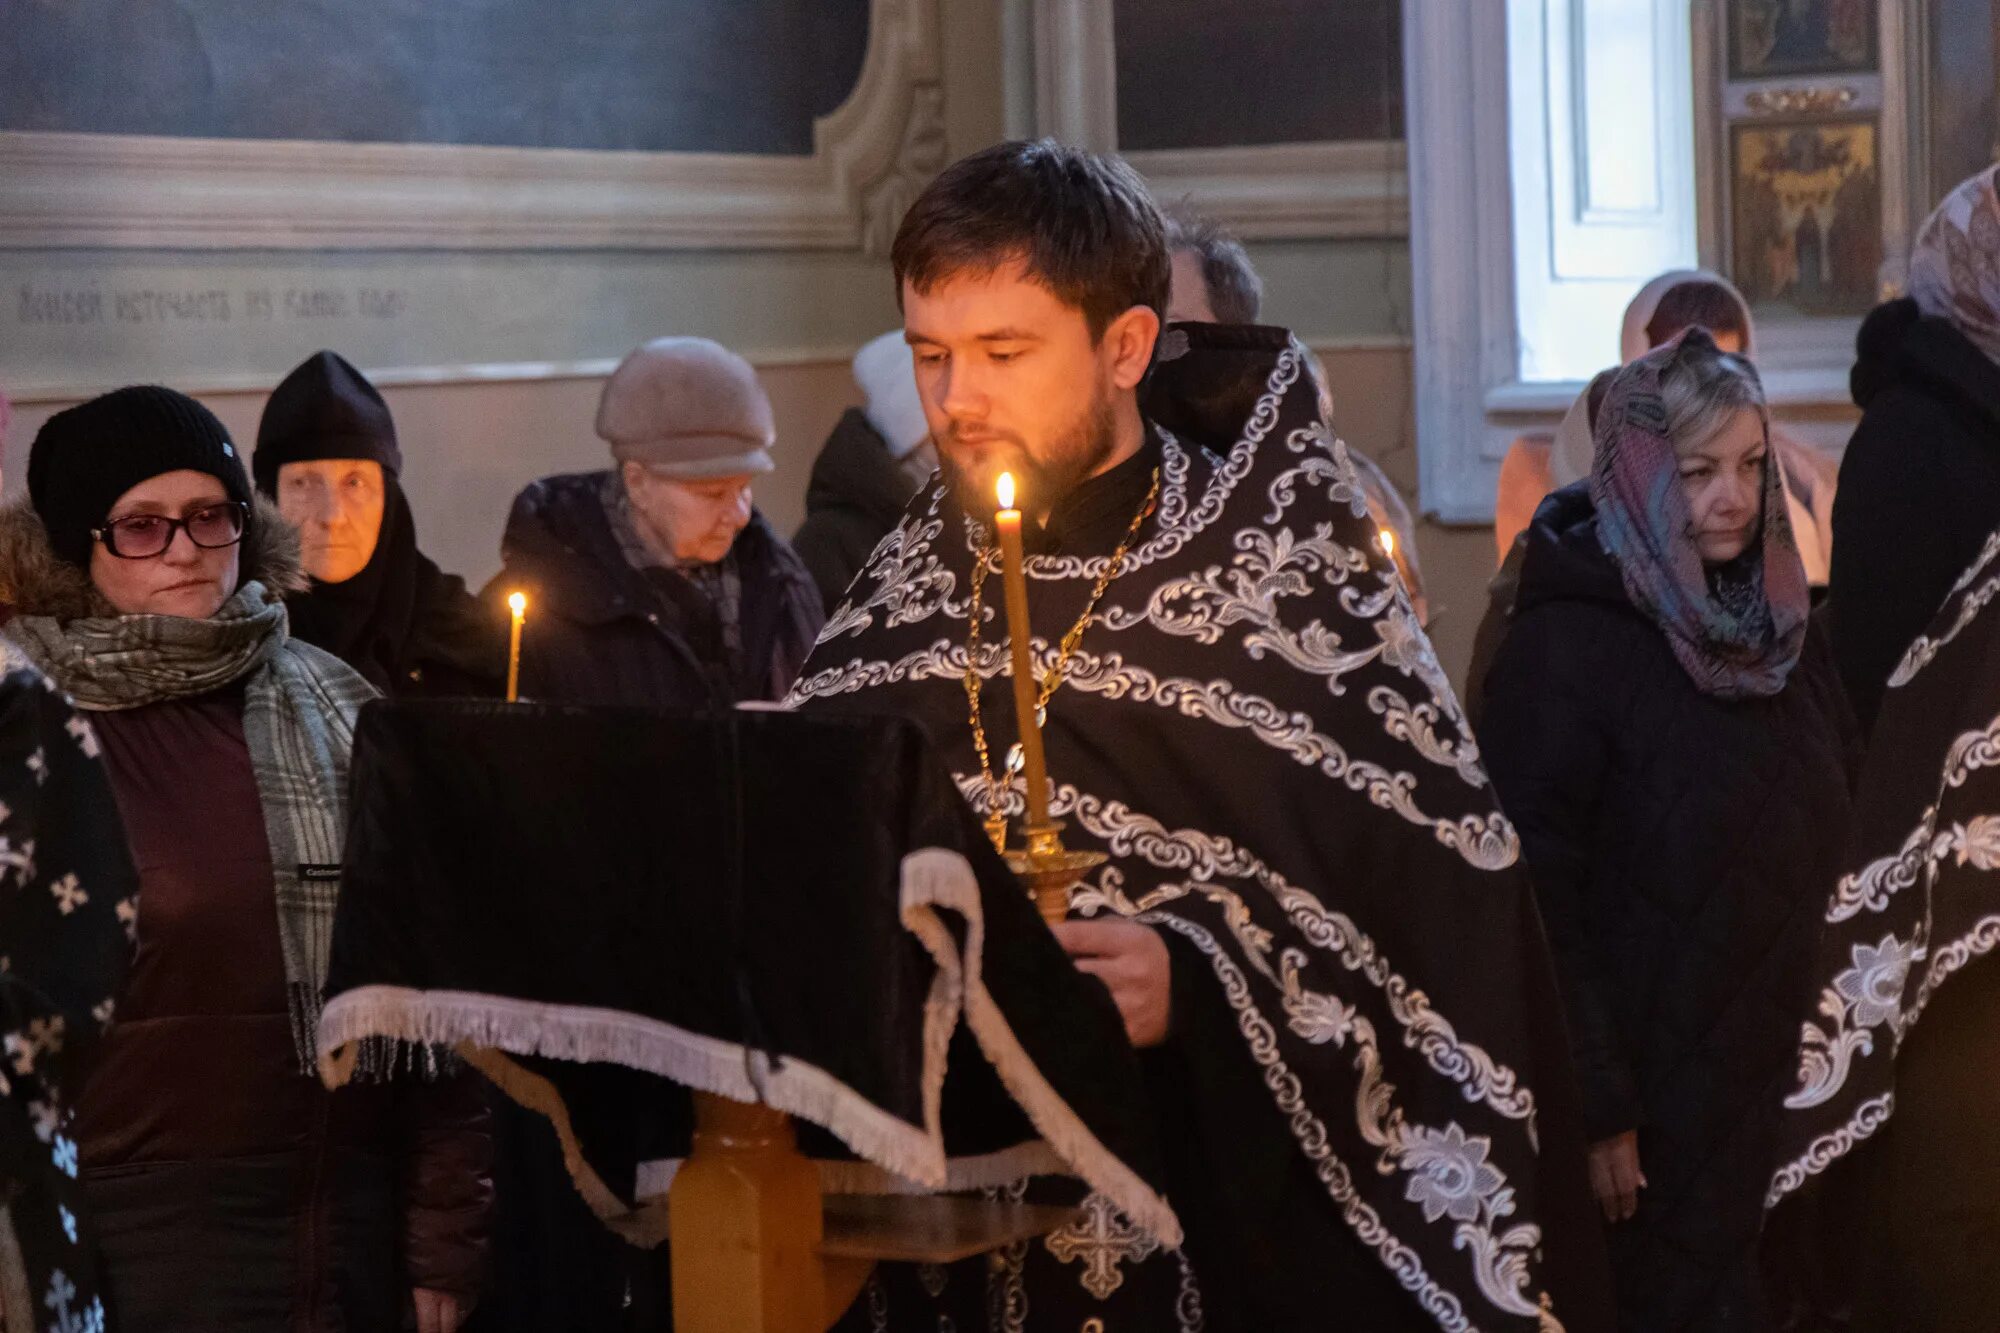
1027,690
518,604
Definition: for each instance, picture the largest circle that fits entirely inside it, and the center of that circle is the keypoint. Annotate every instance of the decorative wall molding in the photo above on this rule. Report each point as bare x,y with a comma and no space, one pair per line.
1711,161
870,155
1462,276
1267,192
920,156
31,393
1076,73
1906,200
1285,191
1800,101
396,377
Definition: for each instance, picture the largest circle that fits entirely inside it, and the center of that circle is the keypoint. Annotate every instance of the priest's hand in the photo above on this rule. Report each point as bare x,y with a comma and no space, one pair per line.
1131,960
437,1311
1615,1177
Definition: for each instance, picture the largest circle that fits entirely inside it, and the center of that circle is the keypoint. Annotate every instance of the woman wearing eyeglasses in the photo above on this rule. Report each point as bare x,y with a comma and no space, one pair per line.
231,1191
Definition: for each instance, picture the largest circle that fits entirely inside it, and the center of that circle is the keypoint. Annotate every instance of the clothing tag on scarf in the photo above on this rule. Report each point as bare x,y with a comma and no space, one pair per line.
319,874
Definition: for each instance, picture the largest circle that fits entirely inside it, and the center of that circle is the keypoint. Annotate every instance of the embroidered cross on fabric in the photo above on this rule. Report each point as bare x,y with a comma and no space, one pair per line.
1104,1242
69,894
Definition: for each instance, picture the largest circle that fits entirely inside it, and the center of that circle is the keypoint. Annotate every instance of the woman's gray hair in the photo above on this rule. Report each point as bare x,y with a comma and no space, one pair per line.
1702,387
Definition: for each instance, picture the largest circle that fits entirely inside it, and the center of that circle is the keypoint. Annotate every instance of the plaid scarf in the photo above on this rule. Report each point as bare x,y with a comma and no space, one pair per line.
1737,630
720,583
298,723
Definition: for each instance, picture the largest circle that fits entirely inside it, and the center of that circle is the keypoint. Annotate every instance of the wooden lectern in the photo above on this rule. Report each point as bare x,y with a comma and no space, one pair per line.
788,917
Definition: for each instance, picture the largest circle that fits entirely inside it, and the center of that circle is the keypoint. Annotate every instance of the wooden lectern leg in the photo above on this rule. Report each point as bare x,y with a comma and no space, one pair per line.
757,1249
745,1225
844,1280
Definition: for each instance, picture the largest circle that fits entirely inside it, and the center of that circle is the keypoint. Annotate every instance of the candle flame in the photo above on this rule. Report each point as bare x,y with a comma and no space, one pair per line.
1004,488
518,604
1388,543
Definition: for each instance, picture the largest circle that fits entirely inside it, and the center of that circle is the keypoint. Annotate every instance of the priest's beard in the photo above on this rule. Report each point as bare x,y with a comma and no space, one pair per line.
1071,455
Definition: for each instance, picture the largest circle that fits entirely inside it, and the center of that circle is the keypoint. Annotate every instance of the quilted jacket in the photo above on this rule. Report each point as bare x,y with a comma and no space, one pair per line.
1679,847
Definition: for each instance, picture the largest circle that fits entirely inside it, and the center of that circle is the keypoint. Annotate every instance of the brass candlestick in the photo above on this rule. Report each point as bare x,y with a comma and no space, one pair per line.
1048,870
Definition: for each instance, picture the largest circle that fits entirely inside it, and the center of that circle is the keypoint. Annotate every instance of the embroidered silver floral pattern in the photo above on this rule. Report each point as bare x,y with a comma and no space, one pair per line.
1925,648
1207,858
1870,888
1449,1174
1829,1148
1873,987
912,582
1863,997
1502,1258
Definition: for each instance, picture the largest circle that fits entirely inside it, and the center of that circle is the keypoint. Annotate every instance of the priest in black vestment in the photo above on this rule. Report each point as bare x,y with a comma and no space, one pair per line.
1312,919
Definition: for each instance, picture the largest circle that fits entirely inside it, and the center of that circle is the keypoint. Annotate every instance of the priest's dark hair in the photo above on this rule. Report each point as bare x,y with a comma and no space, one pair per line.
1083,223
1235,292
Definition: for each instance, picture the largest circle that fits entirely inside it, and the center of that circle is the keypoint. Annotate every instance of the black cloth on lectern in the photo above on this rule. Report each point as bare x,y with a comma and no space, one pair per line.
557,881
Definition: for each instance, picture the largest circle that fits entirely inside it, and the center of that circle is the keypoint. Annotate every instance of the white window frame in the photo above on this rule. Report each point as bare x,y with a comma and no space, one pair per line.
1471,400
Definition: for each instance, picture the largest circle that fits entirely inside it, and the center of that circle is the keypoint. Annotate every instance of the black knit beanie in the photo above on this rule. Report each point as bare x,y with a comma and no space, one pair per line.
324,409
84,458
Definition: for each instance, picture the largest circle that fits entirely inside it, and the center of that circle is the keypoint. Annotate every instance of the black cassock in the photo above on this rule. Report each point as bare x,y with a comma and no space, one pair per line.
1366,1102
68,907
1887,1190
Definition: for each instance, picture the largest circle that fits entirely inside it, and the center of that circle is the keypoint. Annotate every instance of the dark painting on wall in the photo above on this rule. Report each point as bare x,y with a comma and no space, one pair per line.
1774,38
1209,74
737,76
1807,204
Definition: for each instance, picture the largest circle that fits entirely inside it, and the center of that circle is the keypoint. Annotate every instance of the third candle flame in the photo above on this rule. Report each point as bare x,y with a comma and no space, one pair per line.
1004,488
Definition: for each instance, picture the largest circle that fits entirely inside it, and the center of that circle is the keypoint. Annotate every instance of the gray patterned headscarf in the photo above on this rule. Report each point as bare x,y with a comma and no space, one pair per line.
1955,266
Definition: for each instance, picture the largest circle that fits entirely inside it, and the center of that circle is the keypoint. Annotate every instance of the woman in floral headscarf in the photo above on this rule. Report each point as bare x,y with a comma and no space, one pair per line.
1668,735
1920,484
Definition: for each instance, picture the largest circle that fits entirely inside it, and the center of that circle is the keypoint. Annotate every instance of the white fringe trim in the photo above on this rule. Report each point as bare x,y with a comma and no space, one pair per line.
589,1035
934,880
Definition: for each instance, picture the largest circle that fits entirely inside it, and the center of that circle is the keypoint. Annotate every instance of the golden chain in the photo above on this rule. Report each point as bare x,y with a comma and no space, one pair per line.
996,818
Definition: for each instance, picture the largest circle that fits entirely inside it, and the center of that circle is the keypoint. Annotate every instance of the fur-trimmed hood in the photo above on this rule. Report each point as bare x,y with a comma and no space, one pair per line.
38,582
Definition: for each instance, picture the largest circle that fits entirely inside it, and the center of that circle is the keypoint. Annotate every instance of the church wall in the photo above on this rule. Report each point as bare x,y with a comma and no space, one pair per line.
533,333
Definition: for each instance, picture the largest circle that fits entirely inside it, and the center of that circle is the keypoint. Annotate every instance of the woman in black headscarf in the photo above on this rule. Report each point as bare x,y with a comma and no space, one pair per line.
327,453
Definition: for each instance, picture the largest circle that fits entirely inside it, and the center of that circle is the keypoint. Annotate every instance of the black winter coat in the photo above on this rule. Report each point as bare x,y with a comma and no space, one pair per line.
457,645
1680,848
1919,489
602,632
855,498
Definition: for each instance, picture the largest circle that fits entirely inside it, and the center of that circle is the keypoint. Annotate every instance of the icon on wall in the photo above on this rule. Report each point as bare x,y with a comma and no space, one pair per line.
1778,38
1807,201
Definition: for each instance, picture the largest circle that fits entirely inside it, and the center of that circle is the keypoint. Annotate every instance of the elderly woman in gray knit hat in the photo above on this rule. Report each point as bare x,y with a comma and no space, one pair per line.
658,582
232,1192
